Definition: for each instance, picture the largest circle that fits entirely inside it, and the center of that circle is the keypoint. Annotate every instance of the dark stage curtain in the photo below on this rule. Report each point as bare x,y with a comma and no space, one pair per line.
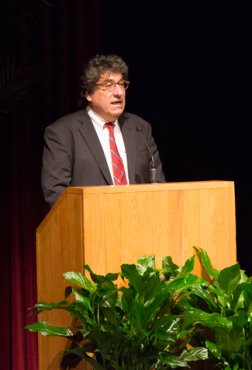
44,45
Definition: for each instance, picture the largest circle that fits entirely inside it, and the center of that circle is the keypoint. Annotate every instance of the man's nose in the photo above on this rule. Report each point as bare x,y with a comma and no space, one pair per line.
118,90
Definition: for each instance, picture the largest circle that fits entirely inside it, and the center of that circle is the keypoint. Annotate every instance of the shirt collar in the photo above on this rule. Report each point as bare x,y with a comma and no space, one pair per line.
96,118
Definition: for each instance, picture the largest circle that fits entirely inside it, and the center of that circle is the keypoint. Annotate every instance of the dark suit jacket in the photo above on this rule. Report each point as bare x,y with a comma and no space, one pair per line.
73,155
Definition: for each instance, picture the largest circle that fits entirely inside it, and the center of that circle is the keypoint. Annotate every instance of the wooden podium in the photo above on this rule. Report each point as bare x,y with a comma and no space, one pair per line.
107,226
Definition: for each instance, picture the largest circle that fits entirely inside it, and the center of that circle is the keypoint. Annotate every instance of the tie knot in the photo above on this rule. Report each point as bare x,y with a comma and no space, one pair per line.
109,125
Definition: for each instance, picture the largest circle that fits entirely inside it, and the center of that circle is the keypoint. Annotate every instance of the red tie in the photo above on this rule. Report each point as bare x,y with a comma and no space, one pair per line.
117,163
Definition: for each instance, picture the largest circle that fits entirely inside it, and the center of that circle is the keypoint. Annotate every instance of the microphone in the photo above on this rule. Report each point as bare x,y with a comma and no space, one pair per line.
152,162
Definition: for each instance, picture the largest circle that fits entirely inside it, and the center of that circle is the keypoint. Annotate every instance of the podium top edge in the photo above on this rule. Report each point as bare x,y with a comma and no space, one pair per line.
187,185
86,191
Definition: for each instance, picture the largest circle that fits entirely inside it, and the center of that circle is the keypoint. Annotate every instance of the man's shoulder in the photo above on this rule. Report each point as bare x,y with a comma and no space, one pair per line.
134,119
70,120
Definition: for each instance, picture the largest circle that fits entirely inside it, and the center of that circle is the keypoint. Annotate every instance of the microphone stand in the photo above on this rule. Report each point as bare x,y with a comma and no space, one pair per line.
152,171
152,162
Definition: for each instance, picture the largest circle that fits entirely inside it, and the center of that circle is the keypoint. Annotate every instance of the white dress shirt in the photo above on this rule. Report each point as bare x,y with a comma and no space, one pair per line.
103,135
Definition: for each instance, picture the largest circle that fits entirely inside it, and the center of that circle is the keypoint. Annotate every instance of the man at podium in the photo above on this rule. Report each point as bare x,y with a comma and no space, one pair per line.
100,144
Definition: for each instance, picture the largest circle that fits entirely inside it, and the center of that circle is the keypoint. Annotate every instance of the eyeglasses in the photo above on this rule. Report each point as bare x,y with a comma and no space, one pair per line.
111,85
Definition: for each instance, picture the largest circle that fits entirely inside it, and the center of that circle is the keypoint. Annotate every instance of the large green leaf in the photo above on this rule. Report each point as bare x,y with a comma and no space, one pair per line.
206,263
195,316
131,273
112,318
182,284
83,299
146,285
102,279
169,268
44,306
188,266
145,263
247,294
183,359
202,296
229,341
80,280
49,330
229,278
213,348
166,332
138,320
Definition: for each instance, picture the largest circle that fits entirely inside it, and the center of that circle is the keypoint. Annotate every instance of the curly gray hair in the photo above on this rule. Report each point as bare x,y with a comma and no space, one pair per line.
96,67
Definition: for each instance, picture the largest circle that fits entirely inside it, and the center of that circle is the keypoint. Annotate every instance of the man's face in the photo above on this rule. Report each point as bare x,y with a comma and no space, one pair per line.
109,105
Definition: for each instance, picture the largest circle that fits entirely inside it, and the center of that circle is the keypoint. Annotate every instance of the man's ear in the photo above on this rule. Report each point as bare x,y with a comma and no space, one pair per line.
88,97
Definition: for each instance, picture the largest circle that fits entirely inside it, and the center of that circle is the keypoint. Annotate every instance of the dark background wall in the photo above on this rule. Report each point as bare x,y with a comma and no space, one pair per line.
190,67
190,71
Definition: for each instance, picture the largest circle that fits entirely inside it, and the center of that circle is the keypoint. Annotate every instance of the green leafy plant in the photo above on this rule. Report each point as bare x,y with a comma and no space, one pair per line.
157,318
221,309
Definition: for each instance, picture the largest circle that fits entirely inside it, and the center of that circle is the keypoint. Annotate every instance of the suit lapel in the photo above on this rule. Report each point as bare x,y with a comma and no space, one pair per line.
88,133
129,138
